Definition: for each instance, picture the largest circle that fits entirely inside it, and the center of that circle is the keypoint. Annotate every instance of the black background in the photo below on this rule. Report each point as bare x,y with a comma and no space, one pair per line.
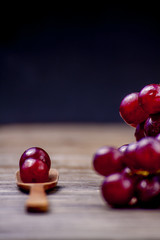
75,62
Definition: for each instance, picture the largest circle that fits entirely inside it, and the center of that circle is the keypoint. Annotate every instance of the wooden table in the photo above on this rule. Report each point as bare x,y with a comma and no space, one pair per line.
77,210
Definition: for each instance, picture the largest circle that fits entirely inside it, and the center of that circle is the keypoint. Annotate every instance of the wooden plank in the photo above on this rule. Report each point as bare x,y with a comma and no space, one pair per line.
77,210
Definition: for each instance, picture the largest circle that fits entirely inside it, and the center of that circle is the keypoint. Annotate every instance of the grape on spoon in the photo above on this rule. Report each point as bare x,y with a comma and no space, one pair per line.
35,176
37,201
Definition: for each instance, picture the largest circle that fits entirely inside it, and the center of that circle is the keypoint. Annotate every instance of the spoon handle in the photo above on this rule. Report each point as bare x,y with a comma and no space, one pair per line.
37,201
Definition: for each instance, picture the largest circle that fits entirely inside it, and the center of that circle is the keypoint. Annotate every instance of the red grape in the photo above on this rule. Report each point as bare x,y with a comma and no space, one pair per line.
34,171
117,189
36,153
148,154
148,191
131,111
152,125
108,160
139,133
149,98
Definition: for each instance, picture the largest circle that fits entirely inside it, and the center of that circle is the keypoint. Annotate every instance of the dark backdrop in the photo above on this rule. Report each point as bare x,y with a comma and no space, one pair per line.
75,63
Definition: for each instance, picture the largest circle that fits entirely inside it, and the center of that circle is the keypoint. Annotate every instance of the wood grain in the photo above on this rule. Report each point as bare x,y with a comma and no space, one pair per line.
77,210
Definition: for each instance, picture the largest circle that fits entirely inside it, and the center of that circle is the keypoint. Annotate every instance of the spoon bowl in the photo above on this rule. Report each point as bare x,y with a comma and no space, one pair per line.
37,201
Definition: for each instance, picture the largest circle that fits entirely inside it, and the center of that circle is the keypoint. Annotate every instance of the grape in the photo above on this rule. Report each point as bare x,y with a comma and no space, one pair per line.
148,192
130,110
139,132
149,98
108,160
152,125
34,171
37,153
148,154
117,189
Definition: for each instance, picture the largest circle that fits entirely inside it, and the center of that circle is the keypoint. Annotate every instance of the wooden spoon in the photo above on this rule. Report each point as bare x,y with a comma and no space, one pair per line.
37,201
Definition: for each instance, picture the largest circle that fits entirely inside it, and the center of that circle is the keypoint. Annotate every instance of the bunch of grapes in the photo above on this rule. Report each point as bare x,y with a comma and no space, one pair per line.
132,171
34,165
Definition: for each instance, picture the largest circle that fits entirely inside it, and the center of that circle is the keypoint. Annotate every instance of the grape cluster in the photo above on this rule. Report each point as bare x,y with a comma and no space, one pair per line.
34,165
132,171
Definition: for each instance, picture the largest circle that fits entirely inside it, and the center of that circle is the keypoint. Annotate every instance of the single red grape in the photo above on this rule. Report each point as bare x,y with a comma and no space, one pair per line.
117,189
149,98
148,154
130,110
139,132
34,171
148,191
108,160
152,125
36,153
